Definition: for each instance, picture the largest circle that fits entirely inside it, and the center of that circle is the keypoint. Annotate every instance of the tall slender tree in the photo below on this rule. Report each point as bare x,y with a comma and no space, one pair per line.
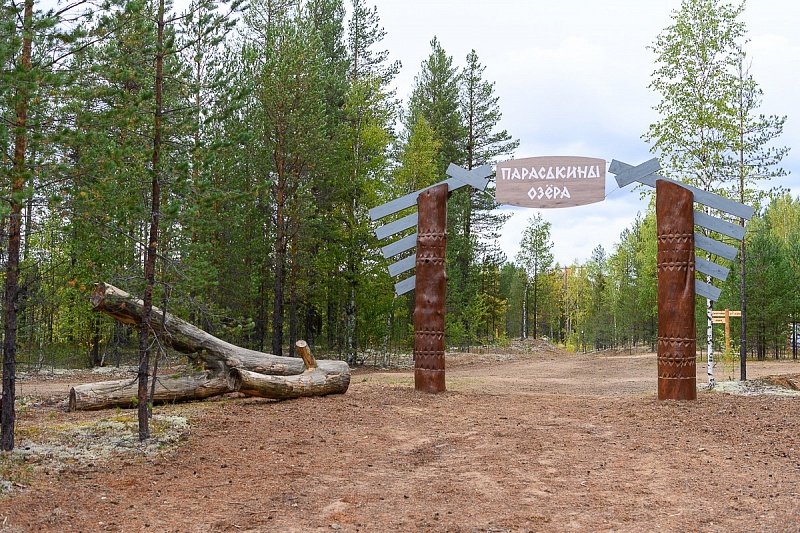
367,135
435,97
535,257
754,159
290,93
34,47
475,224
697,57
24,87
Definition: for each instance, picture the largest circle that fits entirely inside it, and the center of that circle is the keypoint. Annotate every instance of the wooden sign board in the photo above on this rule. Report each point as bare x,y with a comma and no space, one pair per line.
551,181
722,314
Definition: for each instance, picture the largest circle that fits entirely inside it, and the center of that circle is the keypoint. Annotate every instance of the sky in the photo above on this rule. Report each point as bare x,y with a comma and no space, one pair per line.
572,79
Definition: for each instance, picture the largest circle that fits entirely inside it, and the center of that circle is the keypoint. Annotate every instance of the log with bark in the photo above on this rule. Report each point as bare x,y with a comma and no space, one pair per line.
123,392
238,369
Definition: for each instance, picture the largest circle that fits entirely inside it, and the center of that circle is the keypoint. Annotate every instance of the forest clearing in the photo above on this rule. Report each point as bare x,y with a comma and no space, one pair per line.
222,162
531,438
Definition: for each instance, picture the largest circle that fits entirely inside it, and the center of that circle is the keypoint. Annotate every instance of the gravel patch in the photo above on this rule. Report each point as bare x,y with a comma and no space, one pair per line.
755,387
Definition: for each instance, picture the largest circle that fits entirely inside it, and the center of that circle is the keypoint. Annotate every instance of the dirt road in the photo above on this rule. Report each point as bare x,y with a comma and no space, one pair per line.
539,442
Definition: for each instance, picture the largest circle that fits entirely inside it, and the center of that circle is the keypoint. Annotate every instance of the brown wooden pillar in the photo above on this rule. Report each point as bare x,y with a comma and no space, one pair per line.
429,310
677,373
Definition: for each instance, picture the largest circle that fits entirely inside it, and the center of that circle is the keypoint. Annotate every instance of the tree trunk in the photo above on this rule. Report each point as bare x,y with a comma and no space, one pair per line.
525,311
217,355
152,242
280,263
742,306
12,296
535,305
709,340
168,389
314,382
229,368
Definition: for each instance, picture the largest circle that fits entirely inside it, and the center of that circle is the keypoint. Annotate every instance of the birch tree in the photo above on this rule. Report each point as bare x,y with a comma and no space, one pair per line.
697,58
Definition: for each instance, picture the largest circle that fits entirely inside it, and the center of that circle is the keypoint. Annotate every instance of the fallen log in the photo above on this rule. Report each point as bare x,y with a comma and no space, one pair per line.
229,368
216,354
310,383
123,392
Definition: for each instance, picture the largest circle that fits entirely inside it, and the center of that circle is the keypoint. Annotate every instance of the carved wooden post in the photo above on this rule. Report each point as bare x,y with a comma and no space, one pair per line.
677,377
431,283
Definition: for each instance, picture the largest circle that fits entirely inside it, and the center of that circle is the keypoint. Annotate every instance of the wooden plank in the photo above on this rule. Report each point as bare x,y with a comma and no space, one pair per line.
394,206
409,200
626,176
722,313
716,201
718,320
710,199
715,247
475,177
399,246
404,265
729,229
402,287
709,268
408,221
706,290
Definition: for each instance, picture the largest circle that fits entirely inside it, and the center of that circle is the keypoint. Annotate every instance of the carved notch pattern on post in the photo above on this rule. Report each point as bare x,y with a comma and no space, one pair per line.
429,310
675,252
672,360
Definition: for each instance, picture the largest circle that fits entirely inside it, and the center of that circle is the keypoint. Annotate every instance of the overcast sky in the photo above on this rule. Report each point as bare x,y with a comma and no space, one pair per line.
572,79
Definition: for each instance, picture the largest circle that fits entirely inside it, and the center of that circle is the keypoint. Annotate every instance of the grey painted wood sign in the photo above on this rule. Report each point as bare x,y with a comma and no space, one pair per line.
459,177
646,174
551,181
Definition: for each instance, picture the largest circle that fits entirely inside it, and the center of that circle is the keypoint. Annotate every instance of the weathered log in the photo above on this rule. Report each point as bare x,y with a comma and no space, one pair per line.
123,392
216,354
265,375
311,383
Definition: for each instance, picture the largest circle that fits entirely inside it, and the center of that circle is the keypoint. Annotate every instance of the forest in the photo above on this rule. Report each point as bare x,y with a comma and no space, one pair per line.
220,159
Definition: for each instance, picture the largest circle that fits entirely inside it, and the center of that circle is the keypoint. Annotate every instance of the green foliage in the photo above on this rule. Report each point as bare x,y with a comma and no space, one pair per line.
697,57
536,259
278,129
435,97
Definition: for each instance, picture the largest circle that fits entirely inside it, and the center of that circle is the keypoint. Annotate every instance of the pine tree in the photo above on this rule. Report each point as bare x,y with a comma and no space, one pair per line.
435,97
34,46
290,94
474,224
18,177
366,135
364,33
754,159
769,290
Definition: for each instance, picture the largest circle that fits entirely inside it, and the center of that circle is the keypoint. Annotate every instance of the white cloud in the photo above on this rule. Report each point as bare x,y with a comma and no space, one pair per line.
572,79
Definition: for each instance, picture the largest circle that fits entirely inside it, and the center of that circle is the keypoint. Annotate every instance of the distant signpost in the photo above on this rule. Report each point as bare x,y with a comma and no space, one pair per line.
551,181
